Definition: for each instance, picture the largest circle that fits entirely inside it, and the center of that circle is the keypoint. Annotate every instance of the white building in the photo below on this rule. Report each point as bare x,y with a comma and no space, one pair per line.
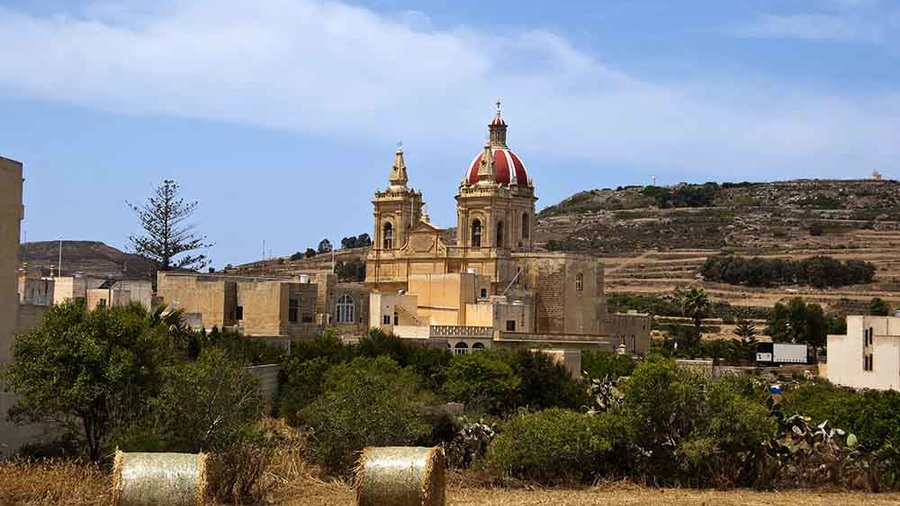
868,356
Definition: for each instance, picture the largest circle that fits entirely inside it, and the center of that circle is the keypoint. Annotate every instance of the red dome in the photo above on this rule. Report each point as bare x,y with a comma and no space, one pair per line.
508,168
497,121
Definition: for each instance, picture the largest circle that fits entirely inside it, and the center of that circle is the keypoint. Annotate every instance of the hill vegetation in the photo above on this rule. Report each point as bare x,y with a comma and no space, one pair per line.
753,216
93,258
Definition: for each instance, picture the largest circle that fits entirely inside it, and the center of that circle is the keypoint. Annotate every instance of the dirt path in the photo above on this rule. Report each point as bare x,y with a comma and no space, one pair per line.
328,494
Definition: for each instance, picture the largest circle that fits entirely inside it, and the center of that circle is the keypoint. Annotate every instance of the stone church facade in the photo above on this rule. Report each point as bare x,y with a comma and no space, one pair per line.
490,288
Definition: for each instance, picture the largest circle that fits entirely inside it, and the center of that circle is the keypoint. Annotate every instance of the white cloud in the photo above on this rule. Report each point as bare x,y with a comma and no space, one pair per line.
847,21
329,69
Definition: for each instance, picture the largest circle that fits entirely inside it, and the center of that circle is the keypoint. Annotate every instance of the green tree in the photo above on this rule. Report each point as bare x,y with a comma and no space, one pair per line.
695,304
483,382
169,239
208,404
89,373
545,383
745,343
798,322
601,364
325,246
878,307
367,402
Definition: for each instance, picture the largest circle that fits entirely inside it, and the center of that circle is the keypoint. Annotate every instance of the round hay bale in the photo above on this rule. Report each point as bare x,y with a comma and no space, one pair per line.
401,476
149,479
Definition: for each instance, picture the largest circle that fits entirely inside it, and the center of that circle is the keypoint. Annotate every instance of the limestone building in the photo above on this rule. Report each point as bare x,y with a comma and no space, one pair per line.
38,290
490,287
14,318
868,355
11,213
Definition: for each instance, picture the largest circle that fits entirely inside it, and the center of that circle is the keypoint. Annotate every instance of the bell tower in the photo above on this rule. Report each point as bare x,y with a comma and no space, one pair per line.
397,209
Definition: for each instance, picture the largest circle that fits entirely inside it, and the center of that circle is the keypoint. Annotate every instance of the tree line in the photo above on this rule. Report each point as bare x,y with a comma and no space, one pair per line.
818,271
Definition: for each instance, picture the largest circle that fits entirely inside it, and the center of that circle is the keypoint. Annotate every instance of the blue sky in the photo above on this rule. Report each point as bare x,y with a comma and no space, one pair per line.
281,116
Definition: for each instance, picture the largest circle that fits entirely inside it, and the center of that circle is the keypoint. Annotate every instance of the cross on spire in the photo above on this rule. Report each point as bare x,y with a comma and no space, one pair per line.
498,108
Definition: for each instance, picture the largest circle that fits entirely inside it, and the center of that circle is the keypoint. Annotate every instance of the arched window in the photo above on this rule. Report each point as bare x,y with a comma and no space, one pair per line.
344,309
388,236
476,233
500,234
461,348
579,282
478,347
526,226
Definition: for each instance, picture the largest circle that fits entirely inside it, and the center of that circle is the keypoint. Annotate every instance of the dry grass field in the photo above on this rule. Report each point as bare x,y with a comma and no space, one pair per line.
66,484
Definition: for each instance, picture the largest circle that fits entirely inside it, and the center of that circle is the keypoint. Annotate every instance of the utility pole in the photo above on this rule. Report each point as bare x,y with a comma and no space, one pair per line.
59,264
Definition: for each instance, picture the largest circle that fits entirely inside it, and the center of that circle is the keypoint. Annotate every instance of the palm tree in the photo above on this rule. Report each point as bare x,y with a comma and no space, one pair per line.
695,304
746,342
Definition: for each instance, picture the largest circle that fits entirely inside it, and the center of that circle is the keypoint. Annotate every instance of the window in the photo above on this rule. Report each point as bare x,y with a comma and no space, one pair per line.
484,293
579,282
239,313
500,234
344,309
307,318
476,234
510,325
526,226
387,319
293,310
388,236
868,358
396,318
461,348
101,303
478,347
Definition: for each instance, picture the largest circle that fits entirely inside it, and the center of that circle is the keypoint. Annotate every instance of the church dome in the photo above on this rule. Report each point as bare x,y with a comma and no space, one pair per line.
508,168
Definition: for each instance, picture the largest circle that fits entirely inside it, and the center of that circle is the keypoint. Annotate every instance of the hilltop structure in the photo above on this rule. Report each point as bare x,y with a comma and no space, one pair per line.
491,288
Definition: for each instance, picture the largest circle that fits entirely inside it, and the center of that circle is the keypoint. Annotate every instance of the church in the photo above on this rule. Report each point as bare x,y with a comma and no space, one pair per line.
491,287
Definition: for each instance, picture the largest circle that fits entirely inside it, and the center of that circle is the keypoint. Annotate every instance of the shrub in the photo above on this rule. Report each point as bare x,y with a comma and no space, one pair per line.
365,402
428,362
601,364
302,382
544,383
483,381
662,405
552,447
206,405
878,307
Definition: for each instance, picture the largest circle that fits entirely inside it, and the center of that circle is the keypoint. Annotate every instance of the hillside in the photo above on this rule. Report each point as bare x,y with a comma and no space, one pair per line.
756,217
93,258
653,240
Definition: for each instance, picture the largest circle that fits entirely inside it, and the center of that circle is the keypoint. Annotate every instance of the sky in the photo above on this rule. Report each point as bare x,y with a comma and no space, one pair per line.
281,117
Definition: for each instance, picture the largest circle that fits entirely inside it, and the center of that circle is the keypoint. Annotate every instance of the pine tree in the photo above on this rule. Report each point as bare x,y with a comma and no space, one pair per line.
169,240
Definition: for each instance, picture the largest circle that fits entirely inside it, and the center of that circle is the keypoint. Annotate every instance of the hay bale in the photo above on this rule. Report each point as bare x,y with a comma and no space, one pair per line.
148,479
401,476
